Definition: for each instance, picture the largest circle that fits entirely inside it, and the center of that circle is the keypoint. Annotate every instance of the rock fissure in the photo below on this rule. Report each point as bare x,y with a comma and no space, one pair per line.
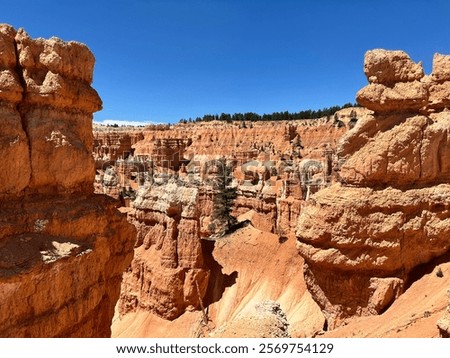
19,74
420,153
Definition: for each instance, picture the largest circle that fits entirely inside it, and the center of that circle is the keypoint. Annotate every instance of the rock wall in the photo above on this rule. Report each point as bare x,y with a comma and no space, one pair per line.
62,249
246,143
267,157
110,145
361,238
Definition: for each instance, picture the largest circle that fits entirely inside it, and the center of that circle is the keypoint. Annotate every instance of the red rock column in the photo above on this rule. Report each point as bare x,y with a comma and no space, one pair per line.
62,249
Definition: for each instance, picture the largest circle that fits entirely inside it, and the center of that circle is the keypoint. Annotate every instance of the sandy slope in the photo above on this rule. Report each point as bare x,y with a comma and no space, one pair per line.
262,269
265,269
414,314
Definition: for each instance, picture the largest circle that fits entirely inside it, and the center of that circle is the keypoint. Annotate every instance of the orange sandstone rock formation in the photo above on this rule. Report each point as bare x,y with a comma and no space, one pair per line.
112,144
247,268
213,139
168,275
173,206
62,248
362,238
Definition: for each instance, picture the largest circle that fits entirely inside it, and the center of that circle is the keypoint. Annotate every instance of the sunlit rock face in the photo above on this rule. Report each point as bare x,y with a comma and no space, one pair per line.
362,237
62,248
168,275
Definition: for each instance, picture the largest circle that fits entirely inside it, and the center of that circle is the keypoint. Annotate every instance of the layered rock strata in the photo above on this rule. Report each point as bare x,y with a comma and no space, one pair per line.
361,238
62,248
173,206
110,145
168,275
257,139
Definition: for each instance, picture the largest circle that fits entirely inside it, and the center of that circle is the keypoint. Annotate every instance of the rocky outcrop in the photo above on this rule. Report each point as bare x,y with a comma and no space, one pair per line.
397,84
61,265
361,238
261,199
113,148
266,157
62,249
247,268
265,320
444,322
173,205
110,144
168,275
394,82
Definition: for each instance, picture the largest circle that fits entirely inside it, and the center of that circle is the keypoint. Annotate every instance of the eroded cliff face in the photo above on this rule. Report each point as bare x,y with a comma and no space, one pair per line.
172,210
255,139
62,248
276,165
362,237
110,145
236,274
168,275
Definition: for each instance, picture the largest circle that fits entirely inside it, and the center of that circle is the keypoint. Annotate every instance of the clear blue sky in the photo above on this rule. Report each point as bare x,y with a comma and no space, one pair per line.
162,60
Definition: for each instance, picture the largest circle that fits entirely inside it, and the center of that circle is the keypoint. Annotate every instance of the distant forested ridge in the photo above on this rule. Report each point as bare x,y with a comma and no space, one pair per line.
275,116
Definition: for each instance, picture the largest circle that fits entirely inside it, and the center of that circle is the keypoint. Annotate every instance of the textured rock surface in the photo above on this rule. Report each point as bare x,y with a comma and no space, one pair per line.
15,169
61,264
62,249
265,320
48,105
110,145
413,315
168,263
397,84
172,215
262,200
444,322
260,139
363,237
394,82
389,67
251,266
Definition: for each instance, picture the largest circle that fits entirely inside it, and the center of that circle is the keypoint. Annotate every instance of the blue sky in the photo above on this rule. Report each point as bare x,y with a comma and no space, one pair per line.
163,60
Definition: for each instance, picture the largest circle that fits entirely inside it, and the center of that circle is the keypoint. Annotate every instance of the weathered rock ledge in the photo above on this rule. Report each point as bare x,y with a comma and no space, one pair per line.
362,238
62,248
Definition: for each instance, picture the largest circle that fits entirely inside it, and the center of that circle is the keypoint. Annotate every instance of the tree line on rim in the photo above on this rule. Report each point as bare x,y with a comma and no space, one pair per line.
275,116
